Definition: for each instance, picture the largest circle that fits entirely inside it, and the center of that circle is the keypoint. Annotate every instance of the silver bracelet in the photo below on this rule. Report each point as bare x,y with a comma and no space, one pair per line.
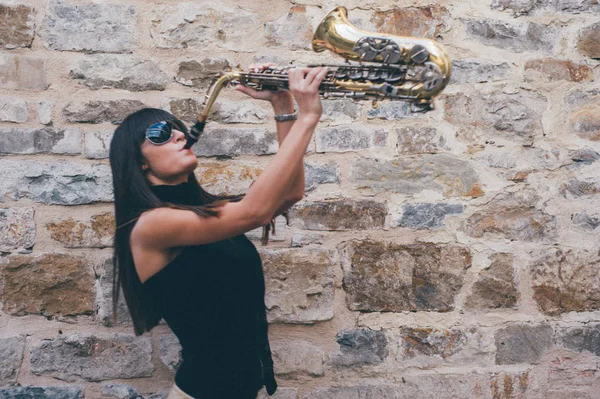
286,117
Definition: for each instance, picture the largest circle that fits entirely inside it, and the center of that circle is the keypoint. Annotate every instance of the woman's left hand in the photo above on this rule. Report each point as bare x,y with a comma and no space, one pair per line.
282,101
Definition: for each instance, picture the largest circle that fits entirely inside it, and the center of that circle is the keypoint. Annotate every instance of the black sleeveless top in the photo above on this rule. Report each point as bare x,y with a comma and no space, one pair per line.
212,298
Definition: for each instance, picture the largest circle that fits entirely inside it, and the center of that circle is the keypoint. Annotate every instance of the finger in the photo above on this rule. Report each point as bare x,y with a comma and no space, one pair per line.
310,76
319,78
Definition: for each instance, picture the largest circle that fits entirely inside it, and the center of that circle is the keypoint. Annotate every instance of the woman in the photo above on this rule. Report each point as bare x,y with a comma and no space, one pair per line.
181,253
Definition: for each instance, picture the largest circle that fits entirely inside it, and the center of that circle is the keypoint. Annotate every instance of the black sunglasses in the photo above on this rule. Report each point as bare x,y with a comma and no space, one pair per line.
161,132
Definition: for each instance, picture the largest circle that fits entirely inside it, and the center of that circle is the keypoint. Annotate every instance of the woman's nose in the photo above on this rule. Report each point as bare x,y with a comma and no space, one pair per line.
178,135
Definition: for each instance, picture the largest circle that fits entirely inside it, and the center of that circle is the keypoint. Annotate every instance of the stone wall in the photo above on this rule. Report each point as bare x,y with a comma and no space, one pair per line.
452,254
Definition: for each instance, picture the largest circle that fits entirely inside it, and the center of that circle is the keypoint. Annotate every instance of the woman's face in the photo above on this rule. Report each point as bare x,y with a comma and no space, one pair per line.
168,163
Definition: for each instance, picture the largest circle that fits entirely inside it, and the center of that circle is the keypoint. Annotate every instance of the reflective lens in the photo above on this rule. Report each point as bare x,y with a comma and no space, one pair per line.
161,132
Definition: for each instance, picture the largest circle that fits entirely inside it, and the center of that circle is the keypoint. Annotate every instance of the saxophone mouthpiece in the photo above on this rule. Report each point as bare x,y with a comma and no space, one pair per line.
194,134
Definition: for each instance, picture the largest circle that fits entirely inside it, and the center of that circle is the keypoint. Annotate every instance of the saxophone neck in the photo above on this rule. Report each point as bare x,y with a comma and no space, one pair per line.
223,80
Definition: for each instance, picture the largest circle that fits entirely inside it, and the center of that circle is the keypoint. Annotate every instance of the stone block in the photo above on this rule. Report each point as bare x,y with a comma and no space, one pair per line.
341,111
11,357
446,174
360,346
126,72
317,174
238,112
44,110
32,392
93,358
294,359
426,216
391,111
49,285
104,298
586,221
113,111
339,215
40,141
293,30
495,287
588,41
170,351
200,75
196,25
220,177
522,343
477,71
299,285
425,341
428,22
519,37
387,277
349,138
303,238
419,140
551,69
60,183
17,230
96,145
17,26
13,110
516,117
236,142
566,281
23,72
581,339
85,27
575,188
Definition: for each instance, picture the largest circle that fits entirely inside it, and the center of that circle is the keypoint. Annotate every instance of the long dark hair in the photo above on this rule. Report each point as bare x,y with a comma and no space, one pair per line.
133,196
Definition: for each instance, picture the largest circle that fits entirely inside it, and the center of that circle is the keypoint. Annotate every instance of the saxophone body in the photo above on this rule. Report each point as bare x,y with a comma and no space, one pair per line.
387,67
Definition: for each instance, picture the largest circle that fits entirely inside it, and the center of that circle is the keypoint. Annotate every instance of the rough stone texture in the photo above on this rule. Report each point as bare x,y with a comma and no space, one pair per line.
104,302
282,393
238,112
50,285
17,25
585,221
552,70
197,25
430,342
580,339
518,37
293,359
40,141
427,216
516,117
588,41
17,229
13,110
11,357
93,358
495,288
419,140
23,72
62,183
349,138
120,391
339,215
201,74
170,351
360,346
235,142
302,238
584,156
580,188
113,111
98,232
44,110
387,277
317,174
428,22
119,72
96,145
185,109
477,71
566,281
526,6
86,27
293,30
584,116
226,178
61,392
390,111
522,343
573,376
440,173
340,111
516,6
299,285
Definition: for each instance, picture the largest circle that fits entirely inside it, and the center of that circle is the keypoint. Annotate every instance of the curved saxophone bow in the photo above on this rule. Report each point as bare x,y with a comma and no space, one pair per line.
389,68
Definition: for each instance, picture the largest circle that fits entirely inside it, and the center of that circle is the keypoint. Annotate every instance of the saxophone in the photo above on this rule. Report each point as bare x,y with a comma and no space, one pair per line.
389,68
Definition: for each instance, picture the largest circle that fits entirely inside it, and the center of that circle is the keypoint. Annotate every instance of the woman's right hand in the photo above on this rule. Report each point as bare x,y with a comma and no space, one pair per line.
304,84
